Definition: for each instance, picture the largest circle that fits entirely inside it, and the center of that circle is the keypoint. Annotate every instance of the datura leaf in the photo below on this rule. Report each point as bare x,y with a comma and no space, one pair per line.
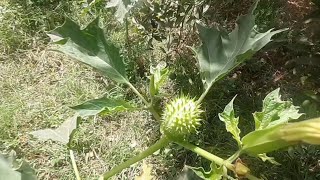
221,51
159,75
231,122
89,46
61,134
215,172
10,169
102,105
275,111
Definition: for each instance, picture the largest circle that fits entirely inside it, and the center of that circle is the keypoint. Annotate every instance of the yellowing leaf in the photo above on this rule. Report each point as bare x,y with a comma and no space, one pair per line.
61,134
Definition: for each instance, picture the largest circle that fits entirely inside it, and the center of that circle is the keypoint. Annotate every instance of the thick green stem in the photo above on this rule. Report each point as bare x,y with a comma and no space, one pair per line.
74,165
164,141
219,161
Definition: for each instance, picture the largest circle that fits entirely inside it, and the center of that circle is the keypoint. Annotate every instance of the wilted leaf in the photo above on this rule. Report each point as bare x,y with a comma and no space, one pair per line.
275,111
231,122
102,105
215,173
89,46
10,169
158,78
221,51
61,134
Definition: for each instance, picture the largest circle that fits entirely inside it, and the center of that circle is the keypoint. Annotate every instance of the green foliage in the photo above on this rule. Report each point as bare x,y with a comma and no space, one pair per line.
159,75
275,111
11,169
90,47
215,173
61,134
221,52
231,122
101,106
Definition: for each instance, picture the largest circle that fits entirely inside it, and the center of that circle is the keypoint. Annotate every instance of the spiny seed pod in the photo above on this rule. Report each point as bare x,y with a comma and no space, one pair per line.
181,118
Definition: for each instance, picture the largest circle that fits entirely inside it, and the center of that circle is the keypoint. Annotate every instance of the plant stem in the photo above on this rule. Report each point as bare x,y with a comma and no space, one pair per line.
74,165
151,109
203,95
234,156
164,141
219,161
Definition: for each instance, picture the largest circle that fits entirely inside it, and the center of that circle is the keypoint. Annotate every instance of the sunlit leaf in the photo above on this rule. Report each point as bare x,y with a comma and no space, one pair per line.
102,105
215,172
221,51
158,78
89,46
275,111
61,134
231,122
263,141
10,169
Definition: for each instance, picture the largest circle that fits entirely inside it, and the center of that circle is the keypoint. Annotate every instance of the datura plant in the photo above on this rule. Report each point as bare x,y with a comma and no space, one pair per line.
220,53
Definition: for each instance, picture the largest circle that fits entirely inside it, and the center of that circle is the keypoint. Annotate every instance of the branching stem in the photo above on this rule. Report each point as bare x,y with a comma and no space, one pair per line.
150,107
158,145
219,161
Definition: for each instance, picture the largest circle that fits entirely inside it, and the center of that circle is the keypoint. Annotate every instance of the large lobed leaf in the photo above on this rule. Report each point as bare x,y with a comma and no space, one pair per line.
61,134
102,105
89,46
221,52
11,169
275,111
231,122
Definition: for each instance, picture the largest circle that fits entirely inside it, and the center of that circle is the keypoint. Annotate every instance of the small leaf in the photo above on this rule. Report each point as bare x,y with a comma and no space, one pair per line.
13,170
275,111
221,51
102,105
265,158
89,46
215,173
158,78
231,122
62,134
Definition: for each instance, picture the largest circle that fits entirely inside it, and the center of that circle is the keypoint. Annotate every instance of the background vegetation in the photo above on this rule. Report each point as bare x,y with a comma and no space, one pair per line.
37,85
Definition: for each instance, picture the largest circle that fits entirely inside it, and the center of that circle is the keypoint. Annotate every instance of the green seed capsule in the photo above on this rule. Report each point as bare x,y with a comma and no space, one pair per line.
181,118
